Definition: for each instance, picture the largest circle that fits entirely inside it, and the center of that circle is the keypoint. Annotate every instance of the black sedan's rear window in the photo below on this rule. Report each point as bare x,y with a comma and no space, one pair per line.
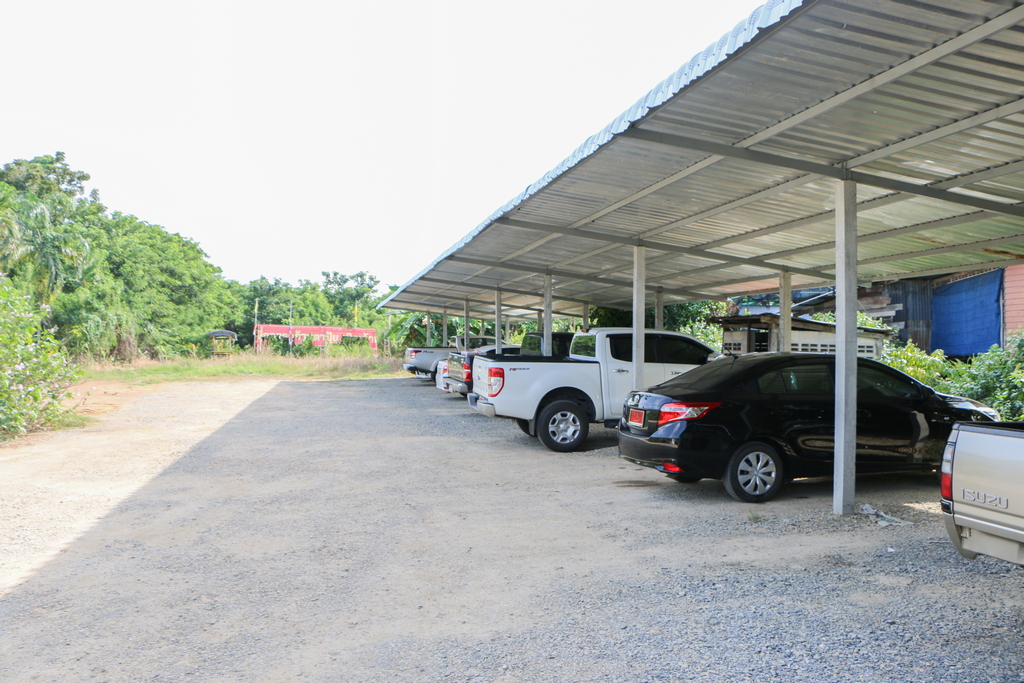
714,374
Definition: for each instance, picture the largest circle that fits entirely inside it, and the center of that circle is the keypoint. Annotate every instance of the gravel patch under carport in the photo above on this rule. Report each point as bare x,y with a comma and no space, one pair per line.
382,531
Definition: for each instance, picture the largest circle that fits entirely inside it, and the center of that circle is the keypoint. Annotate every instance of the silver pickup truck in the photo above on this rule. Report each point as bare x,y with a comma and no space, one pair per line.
422,361
983,489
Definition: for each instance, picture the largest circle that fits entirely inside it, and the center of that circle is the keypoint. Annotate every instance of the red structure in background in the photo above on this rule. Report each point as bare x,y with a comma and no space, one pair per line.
296,334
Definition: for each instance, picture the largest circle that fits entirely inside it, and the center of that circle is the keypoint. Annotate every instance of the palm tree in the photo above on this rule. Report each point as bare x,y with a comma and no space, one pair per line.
31,247
8,220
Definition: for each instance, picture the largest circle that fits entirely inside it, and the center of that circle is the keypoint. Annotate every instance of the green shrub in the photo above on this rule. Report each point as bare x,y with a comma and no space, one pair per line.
34,370
996,378
705,332
928,368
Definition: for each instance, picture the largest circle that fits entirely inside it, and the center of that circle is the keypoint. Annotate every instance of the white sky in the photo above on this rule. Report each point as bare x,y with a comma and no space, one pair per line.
292,138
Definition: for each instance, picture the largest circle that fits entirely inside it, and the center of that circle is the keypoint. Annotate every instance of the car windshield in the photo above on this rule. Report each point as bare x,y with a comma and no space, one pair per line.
706,376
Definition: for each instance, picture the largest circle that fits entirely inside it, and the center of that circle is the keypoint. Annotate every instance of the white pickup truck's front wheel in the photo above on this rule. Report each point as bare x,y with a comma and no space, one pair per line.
563,426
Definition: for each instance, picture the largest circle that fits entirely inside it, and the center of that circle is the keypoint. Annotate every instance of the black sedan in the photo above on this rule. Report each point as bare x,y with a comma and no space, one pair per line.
759,420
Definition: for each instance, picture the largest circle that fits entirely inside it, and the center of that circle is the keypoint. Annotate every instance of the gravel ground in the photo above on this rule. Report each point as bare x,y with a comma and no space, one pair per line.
268,531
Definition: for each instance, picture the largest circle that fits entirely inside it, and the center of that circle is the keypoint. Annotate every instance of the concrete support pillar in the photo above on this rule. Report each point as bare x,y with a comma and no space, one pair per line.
659,309
547,314
586,316
508,328
846,347
444,327
497,321
465,324
430,331
785,311
639,303
540,321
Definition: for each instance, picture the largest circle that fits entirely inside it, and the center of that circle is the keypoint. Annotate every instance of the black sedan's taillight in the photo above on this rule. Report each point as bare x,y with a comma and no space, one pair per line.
674,412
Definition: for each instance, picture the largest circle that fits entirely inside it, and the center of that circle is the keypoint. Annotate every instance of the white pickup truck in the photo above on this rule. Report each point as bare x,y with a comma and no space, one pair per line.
983,489
556,399
423,360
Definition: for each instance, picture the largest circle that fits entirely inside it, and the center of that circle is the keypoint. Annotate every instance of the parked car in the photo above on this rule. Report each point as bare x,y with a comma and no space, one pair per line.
982,473
460,364
460,377
556,399
422,361
759,420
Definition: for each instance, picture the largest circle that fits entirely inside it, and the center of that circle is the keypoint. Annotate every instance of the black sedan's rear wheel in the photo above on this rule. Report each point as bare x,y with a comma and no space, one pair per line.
755,473
563,426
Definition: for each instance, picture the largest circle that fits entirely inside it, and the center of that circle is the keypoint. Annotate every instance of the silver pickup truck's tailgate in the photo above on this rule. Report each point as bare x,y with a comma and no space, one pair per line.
987,493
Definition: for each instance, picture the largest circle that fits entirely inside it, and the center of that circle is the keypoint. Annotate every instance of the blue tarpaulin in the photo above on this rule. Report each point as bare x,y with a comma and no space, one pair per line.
966,315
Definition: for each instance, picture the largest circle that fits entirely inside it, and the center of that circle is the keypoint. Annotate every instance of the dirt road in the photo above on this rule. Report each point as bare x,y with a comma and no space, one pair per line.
381,531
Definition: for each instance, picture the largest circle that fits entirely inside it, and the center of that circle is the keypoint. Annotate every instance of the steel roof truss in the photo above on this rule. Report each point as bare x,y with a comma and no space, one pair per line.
657,246
627,284
505,290
484,309
834,172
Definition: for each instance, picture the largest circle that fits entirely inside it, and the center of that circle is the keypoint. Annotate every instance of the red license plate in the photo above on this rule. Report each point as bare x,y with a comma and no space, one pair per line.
636,417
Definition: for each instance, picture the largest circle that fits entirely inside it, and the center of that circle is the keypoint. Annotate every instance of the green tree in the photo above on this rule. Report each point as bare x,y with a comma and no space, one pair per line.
45,176
409,328
40,253
39,245
167,294
353,297
8,219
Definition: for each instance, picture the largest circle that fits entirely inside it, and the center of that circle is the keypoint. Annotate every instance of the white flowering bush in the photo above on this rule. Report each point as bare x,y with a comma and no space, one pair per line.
34,369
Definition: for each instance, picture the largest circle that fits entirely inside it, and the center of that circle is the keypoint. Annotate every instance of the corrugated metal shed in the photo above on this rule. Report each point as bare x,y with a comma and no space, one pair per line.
726,170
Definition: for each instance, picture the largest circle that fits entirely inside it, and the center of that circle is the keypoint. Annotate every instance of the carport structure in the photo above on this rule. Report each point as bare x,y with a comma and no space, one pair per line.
820,141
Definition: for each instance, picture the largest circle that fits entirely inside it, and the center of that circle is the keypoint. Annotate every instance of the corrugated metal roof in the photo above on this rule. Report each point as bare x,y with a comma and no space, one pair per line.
726,169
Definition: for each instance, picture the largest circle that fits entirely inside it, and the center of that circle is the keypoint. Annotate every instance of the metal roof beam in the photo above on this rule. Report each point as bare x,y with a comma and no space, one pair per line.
835,172
504,290
931,136
884,276
657,246
627,284
968,247
895,232
483,308
960,268
735,204
876,203
825,278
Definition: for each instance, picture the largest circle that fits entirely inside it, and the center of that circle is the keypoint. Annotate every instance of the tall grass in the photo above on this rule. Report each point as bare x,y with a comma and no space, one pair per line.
247,365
